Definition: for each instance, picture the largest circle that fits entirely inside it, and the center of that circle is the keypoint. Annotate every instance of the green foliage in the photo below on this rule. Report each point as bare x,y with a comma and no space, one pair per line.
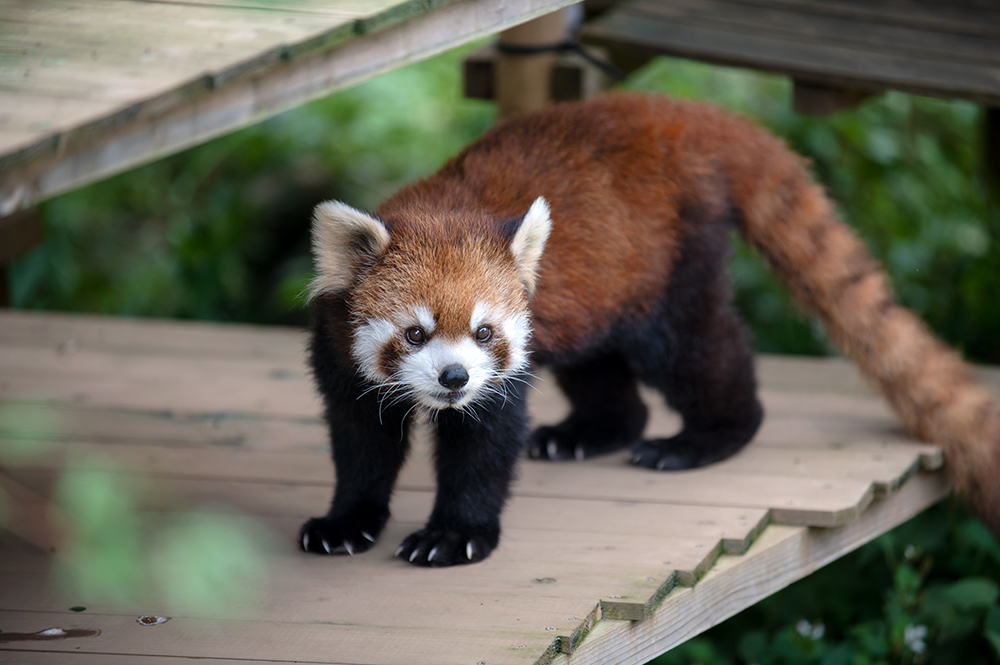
115,553
180,562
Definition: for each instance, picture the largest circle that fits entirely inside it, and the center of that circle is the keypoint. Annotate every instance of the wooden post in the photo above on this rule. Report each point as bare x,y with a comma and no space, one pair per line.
818,99
19,233
524,82
991,152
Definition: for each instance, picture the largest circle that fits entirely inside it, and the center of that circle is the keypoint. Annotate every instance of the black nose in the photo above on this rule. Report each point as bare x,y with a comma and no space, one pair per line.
453,377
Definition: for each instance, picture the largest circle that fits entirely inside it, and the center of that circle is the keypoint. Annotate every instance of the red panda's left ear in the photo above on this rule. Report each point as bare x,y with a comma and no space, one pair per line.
529,242
341,237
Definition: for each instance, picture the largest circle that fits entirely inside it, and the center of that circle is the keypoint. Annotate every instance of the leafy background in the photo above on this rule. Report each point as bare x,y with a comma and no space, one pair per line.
221,232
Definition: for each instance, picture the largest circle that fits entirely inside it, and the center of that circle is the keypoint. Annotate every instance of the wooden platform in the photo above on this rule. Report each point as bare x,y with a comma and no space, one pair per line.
607,561
948,48
90,88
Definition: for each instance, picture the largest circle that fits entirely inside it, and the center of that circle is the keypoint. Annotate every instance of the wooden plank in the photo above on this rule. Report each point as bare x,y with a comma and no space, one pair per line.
811,22
250,92
734,528
192,385
780,556
800,58
68,333
943,16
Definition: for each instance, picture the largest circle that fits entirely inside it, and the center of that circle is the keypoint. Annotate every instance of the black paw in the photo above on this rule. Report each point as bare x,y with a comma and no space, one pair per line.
692,448
671,454
323,535
443,547
579,439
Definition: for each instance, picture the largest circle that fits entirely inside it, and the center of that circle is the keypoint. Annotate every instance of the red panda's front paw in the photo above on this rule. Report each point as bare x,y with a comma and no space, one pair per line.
444,547
323,535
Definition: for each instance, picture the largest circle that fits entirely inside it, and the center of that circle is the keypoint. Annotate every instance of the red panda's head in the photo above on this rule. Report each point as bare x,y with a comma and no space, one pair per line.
438,300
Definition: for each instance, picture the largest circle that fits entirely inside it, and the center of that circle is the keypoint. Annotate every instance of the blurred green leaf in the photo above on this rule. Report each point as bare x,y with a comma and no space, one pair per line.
27,432
991,628
211,563
973,593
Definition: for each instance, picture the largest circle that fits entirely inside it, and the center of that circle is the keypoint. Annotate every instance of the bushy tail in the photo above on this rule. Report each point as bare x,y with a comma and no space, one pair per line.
789,219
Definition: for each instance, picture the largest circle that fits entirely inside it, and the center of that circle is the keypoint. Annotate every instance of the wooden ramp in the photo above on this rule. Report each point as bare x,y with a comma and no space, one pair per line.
90,88
599,562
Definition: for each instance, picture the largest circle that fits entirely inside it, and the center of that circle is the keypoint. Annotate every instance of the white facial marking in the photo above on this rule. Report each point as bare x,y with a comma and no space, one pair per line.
517,330
425,317
421,366
421,369
369,339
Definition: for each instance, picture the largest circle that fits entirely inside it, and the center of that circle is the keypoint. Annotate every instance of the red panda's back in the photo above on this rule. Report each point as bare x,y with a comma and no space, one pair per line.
617,172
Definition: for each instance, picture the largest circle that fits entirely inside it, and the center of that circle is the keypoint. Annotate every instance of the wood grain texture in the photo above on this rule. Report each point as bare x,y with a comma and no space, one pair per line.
217,418
153,78
927,49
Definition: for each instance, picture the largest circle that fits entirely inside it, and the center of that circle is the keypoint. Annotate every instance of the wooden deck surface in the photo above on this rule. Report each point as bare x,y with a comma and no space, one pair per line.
607,561
949,49
89,88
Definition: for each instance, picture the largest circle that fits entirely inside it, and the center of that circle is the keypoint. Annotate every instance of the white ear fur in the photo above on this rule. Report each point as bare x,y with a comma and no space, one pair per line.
529,241
340,236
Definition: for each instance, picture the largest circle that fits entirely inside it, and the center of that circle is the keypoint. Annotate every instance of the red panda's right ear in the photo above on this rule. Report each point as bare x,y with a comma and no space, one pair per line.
341,236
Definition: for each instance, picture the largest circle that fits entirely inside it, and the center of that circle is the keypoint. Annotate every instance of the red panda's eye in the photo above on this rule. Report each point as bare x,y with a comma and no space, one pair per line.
484,334
415,336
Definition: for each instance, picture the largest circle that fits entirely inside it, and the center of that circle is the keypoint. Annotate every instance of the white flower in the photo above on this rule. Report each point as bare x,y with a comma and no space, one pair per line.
913,637
803,628
818,631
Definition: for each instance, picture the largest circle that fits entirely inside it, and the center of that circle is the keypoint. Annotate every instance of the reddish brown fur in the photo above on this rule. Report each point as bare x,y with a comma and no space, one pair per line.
618,174
477,267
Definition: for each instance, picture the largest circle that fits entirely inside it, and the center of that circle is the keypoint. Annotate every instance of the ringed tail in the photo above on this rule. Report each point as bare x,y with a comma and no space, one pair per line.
789,219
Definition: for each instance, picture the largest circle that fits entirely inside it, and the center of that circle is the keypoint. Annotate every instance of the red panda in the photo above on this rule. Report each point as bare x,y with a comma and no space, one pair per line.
594,238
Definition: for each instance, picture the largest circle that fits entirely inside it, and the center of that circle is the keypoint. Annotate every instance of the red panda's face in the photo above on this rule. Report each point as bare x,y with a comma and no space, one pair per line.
439,312
442,358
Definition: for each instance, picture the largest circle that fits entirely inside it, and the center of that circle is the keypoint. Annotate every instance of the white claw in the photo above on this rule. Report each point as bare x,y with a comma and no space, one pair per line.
326,546
661,465
349,548
430,557
469,550
368,536
635,458
399,550
414,555
552,449
305,542
578,453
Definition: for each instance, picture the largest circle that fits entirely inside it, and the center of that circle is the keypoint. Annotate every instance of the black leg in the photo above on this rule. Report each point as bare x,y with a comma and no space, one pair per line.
367,455
369,434
710,382
607,414
698,353
475,457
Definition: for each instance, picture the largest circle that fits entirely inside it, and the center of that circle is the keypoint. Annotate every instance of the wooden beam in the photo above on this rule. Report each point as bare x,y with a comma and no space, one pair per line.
19,233
115,147
818,99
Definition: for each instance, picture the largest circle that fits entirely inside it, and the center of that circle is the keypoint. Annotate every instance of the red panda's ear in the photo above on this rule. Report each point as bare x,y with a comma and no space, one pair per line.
341,236
529,242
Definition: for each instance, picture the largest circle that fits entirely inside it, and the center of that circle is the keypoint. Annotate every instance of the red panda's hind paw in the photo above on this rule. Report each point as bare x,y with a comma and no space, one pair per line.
689,449
578,438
